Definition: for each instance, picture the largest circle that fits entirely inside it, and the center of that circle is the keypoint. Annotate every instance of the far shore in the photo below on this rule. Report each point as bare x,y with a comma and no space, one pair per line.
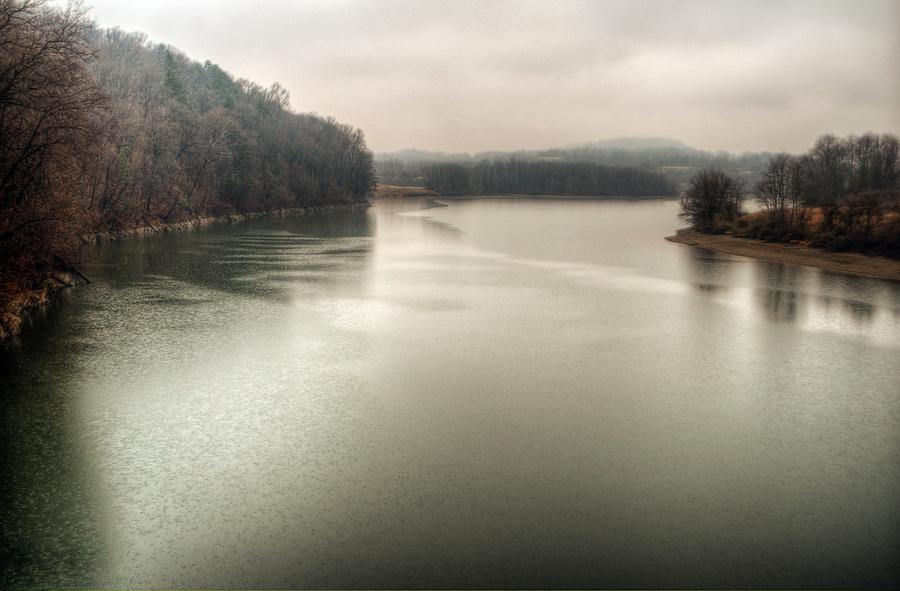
385,192
550,197
850,263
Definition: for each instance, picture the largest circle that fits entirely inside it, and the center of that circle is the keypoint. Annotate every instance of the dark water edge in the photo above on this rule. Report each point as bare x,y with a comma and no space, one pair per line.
490,394
41,299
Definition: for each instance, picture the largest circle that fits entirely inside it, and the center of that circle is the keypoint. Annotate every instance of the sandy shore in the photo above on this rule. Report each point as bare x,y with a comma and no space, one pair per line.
850,263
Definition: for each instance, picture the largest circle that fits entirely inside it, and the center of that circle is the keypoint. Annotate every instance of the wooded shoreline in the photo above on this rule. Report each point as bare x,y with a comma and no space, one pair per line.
106,135
386,191
20,301
849,263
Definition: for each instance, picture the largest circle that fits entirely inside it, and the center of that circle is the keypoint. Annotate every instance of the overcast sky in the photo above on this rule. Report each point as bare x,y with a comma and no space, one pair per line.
471,76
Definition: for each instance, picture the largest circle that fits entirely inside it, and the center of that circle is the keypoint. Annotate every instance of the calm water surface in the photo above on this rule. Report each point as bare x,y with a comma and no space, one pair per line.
495,393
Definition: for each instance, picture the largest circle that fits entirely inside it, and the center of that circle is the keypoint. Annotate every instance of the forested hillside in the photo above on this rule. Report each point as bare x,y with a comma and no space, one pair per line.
188,136
104,130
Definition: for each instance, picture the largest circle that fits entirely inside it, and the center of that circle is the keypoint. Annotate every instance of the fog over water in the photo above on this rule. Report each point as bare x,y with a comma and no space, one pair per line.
471,76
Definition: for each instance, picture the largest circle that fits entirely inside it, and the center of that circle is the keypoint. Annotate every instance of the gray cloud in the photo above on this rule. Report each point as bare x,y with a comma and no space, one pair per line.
469,76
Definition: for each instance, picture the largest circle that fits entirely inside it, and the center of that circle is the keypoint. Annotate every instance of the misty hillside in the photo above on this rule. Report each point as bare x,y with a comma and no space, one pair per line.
416,155
637,143
673,159
624,143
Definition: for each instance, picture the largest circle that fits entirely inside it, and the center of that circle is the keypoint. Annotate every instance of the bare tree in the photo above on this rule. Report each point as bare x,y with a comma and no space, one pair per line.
828,170
49,115
712,199
780,189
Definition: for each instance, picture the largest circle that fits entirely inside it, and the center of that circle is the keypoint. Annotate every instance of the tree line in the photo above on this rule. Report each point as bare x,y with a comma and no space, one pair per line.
677,162
540,177
103,130
842,194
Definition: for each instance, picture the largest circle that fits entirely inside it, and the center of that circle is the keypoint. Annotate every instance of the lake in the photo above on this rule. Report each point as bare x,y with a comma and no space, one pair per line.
496,393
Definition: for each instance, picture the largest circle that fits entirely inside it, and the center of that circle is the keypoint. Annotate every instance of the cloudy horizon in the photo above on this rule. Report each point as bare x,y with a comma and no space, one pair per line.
476,76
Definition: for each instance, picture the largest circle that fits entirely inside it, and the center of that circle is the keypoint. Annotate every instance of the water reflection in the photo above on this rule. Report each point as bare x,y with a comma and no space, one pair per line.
862,311
783,285
153,301
709,287
781,305
813,299
239,259
712,270
482,395
51,528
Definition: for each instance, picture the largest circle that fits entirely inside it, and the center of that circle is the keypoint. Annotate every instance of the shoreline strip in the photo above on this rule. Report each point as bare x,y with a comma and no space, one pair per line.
848,263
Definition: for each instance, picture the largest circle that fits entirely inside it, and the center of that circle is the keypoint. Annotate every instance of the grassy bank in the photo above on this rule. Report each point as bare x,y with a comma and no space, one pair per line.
873,230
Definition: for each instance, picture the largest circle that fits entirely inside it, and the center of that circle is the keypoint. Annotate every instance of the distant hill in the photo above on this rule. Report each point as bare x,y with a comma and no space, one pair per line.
416,155
621,143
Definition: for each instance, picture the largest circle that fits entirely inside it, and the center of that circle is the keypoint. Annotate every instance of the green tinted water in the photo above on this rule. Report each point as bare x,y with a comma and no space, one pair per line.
495,393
